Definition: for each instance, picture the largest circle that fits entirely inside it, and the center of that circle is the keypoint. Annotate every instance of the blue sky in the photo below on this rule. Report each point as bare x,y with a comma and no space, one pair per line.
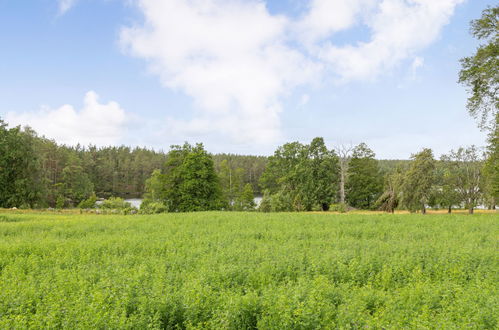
242,76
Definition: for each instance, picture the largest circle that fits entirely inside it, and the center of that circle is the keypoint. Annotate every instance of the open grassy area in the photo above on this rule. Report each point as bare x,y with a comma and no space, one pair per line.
247,270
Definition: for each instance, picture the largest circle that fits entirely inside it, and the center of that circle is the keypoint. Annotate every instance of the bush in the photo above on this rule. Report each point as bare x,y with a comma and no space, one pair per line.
60,202
278,202
150,207
265,204
88,203
115,203
340,207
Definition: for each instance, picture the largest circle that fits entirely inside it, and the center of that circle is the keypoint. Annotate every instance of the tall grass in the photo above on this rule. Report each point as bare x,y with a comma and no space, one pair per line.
248,270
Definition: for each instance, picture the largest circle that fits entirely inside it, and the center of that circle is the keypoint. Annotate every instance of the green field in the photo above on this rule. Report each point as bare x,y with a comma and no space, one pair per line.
246,270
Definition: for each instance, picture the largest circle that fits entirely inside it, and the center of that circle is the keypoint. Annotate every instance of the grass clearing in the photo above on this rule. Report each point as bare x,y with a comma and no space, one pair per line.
246,270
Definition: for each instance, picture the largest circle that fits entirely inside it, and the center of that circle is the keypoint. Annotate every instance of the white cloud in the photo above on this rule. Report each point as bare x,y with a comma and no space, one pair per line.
95,123
65,5
237,61
417,63
230,56
325,17
399,29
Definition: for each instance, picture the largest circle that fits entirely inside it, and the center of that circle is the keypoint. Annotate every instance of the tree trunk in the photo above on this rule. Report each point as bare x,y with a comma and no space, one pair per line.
342,186
423,210
449,210
470,210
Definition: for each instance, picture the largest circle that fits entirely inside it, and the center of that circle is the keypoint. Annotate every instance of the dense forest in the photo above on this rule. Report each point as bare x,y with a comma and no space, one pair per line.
36,172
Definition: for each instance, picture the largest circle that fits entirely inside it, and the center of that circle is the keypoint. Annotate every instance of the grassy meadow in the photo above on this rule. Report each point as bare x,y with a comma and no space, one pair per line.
228,270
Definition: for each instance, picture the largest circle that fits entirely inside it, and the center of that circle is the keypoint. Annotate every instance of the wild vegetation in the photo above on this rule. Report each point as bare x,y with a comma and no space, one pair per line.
221,270
37,173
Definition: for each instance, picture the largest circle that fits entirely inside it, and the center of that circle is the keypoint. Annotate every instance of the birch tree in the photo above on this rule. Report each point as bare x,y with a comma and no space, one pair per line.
344,153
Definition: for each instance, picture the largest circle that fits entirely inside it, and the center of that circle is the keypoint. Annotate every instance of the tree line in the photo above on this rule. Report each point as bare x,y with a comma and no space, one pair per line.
36,172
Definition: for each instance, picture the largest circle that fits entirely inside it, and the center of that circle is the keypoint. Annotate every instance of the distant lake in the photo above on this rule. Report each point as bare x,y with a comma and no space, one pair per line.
134,201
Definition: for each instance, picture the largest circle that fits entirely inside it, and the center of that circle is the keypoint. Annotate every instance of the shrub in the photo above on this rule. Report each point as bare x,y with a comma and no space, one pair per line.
151,207
60,202
340,207
115,203
88,203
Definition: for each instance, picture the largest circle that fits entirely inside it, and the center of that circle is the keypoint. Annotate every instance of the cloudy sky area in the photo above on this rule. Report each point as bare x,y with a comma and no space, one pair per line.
241,76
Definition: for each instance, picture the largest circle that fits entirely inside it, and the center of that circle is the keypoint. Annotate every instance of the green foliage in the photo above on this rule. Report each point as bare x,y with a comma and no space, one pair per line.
20,183
189,182
490,182
76,184
266,202
301,177
280,201
389,200
60,202
152,207
365,183
216,270
464,175
418,181
246,200
88,203
250,168
339,207
231,180
115,203
480,72
156,186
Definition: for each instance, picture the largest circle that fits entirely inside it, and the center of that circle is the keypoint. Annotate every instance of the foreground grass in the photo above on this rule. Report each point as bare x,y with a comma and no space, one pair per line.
247,270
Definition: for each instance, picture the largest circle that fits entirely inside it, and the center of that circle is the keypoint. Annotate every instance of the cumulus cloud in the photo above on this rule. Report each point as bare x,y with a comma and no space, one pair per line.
230,56
326,17
237,60
96,123
399,29
65,5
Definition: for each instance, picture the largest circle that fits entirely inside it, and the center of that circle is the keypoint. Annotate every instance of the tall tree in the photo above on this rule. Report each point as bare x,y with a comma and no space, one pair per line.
231,180
300,177
466,167
190,180
480,72
491,169
246,200
390,198
20,179
418,181
445,194
344,155
156,187
75,182
365,182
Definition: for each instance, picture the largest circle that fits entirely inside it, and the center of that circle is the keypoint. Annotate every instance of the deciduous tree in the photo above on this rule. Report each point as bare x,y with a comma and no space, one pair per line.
418,181
480,72
466,166
365,182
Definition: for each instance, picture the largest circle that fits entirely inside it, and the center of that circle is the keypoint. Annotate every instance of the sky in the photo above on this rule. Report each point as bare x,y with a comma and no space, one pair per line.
240,76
